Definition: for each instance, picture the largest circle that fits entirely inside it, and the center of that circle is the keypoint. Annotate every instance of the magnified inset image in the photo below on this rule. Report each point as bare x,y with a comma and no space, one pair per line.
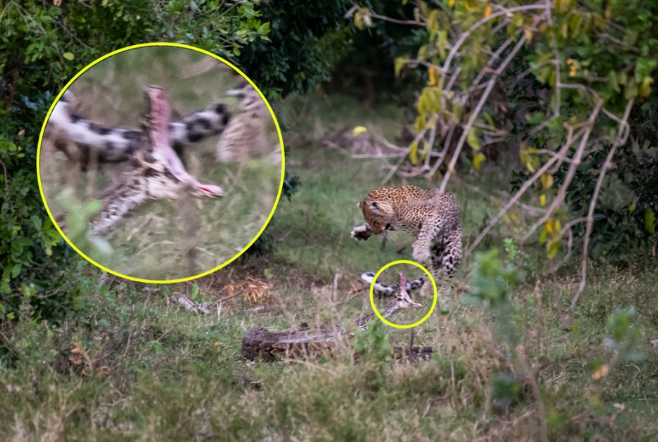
160,163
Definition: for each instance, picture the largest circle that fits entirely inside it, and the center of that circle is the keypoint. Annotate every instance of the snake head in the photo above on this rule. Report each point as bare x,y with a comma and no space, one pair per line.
404,301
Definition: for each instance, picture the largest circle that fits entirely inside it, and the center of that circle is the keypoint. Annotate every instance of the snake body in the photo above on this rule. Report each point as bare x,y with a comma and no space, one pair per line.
259,343
270,346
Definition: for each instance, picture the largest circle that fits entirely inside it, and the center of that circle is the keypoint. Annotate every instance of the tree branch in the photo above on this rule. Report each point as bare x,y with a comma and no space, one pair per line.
622,135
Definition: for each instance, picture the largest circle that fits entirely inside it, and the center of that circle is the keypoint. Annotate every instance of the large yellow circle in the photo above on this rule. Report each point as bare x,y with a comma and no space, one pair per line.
372,291
167,281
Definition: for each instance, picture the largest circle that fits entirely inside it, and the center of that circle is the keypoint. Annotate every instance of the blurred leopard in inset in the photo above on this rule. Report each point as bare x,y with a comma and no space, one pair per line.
246,135
430,216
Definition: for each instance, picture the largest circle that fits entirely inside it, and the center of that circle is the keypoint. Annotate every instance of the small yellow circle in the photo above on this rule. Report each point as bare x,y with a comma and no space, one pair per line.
372,291
153,281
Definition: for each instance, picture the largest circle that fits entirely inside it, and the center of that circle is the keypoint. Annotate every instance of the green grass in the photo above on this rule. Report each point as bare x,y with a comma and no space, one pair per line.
149,370
150,242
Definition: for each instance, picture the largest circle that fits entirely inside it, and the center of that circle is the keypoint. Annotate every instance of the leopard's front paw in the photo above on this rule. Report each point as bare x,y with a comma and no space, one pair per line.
361,233
421,254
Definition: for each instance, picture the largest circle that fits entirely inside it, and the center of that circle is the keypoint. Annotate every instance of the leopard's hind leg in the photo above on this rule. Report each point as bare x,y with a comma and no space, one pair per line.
446,255
116,206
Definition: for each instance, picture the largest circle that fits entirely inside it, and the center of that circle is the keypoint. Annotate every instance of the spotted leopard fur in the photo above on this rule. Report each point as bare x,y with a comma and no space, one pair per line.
156,171
430,216
246,136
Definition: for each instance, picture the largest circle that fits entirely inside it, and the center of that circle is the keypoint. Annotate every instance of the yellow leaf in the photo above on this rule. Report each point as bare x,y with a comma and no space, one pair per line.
542,200
557,225
549,226
478,159
358,131
645,88
21,132
413,153
528,34
546,181
68,55
362,19
433,76
601,372
487,11
451,3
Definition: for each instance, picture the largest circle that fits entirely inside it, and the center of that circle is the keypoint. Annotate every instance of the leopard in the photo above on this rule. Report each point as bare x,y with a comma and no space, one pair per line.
246,135
431,216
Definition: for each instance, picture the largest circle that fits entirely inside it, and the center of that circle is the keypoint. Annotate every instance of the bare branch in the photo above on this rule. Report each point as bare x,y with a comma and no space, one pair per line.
622,135
478,108
393,20
516,197
484,20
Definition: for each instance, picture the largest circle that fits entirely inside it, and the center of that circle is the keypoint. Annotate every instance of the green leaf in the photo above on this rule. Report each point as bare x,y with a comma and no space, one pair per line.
400,63
68,55
553,248
649,220
472,139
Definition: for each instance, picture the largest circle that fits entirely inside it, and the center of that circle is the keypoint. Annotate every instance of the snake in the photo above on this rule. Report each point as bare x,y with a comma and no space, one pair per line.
260,343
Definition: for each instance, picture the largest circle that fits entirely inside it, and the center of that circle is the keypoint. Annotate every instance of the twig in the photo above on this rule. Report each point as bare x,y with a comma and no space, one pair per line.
393,20
530,209
477,110
484,20
622,135
516,196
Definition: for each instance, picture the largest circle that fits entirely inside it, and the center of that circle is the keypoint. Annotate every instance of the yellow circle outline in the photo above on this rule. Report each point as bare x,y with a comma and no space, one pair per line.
144,45
372,291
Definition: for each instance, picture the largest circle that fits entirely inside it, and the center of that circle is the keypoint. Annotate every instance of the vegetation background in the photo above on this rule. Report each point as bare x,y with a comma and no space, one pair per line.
522,354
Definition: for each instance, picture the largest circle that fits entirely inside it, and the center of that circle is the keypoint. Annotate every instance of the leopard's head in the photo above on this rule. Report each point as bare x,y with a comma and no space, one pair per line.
378,212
